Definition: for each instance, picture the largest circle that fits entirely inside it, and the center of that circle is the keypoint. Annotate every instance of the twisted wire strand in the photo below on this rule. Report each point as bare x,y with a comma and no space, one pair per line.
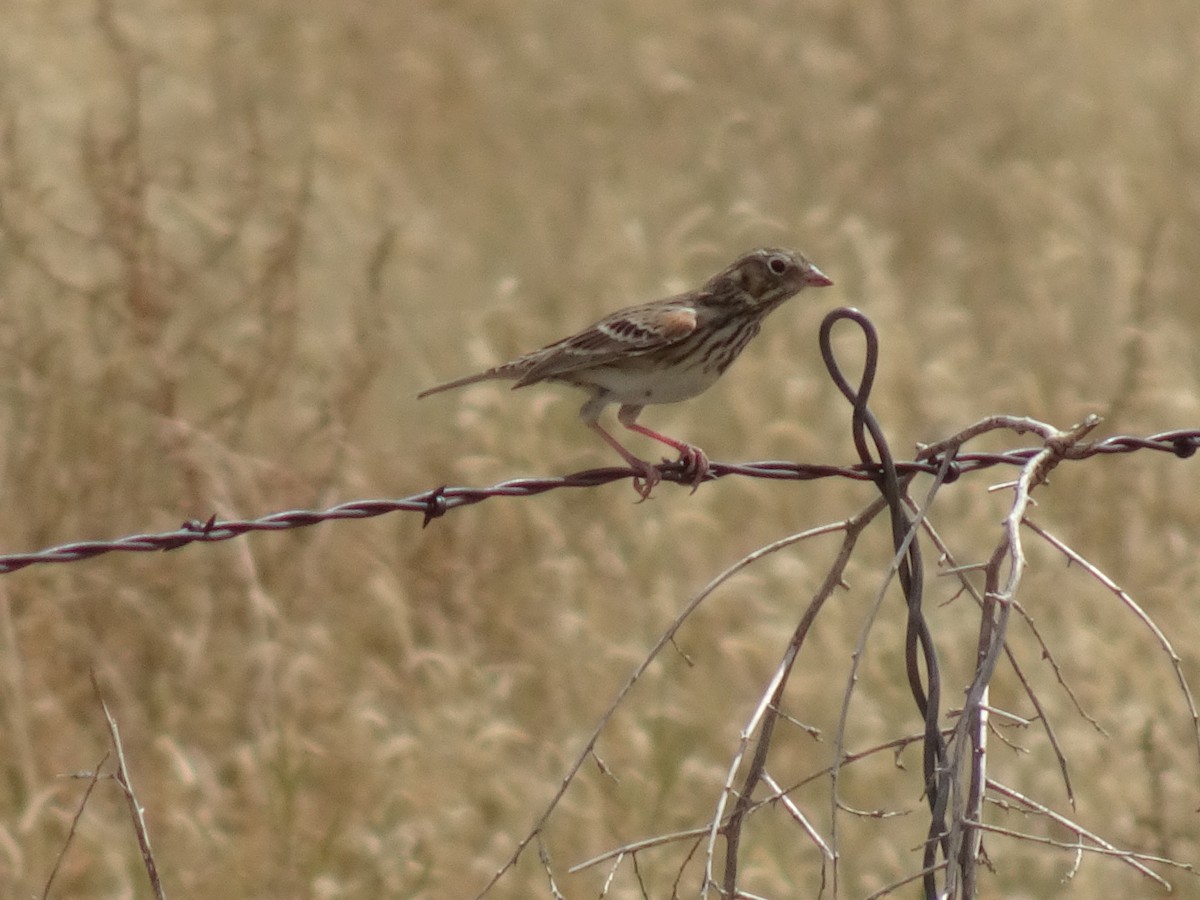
434,503
926,687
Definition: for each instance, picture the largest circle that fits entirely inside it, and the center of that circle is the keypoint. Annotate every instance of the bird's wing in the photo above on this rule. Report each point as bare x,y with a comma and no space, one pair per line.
628,332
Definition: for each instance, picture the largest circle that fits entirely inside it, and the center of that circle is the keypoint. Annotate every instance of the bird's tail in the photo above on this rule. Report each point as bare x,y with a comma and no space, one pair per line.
460,382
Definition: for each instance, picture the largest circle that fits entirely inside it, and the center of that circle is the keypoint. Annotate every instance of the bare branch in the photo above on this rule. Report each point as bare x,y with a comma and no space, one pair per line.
667,637
93,777
1142,615
137,813
1101,846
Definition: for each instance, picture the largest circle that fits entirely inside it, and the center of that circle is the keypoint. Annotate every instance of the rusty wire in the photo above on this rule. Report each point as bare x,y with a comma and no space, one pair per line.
432,504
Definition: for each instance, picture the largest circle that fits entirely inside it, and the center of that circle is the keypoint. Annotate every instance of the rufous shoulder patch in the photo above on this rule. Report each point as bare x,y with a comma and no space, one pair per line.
677,323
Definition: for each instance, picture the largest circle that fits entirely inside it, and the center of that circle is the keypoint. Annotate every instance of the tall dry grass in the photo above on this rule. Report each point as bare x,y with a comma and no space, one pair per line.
236,239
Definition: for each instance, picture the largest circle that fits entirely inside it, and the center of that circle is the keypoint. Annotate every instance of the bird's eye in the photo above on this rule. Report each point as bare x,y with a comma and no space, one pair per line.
778,265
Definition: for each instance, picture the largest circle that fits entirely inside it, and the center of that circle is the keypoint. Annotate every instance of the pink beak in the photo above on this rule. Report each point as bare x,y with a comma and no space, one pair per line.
816,277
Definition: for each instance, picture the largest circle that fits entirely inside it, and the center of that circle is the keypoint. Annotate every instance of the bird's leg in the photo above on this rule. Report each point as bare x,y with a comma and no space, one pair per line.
693,458
646,475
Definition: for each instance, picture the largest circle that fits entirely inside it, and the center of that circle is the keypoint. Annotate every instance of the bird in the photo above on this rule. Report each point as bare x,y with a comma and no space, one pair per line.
664,351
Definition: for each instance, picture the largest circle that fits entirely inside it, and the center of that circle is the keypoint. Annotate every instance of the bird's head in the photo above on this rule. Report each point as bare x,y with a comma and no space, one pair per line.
767,277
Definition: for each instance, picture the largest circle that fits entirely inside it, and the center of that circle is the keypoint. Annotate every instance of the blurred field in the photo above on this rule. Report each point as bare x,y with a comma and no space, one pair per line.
237,238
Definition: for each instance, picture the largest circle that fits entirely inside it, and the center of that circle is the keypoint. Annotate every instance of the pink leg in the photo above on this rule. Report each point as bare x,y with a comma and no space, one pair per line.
647,475
692,457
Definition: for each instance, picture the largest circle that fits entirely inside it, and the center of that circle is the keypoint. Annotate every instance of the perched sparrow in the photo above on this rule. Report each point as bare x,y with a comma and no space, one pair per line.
663,352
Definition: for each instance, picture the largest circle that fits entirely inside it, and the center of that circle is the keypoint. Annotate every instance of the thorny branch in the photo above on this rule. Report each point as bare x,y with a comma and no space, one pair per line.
766,714
970,738
963,782
953,847
667,637
136,812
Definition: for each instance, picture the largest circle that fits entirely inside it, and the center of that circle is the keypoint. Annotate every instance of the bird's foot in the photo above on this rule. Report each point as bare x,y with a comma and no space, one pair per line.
646,476
695,464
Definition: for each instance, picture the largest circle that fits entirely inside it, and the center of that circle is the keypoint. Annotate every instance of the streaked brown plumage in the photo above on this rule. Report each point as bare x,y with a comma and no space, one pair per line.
662,352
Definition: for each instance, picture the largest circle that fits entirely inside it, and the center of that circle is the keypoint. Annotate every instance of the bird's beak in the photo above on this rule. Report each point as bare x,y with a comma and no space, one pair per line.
816,278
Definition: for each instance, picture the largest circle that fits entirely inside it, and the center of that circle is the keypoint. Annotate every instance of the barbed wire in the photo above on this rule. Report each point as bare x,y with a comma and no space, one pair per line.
436,502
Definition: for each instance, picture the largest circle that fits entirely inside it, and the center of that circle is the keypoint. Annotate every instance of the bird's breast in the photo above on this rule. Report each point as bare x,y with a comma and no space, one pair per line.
644,382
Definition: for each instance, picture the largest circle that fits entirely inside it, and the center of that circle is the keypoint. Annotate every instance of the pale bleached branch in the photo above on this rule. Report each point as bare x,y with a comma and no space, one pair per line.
1133,606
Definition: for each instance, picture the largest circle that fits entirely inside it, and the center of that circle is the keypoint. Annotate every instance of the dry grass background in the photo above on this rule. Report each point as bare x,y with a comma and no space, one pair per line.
237,237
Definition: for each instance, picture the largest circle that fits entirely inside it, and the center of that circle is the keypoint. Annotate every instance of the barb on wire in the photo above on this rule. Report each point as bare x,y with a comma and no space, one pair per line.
432,504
